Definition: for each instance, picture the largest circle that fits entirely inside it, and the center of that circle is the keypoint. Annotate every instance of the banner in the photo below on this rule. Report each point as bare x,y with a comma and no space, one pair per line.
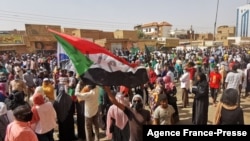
11,39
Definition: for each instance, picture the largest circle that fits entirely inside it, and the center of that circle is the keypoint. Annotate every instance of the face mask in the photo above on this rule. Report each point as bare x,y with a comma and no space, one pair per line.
137,106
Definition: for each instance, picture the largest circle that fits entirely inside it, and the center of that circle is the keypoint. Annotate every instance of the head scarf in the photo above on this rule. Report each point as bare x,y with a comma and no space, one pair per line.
202,77
169,85
137,96
114,112
39,89
38,99
62,104
121,99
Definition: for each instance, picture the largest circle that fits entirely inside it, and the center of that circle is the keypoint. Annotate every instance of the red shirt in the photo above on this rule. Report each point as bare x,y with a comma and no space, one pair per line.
214,80
152,76
191,71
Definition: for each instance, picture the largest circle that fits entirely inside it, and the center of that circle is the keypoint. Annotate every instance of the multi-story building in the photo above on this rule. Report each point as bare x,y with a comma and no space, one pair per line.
242,21
154,29
223,32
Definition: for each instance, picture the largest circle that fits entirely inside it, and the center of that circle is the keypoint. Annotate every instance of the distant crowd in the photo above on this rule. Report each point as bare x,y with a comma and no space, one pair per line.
37,96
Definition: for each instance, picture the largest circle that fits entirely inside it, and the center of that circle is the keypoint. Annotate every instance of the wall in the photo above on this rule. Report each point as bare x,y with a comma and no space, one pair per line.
33,29
141,44
68,30
104,34
126,34
20,49
165,31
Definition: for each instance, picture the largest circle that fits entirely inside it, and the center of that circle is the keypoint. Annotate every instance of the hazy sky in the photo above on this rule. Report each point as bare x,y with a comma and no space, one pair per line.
109,15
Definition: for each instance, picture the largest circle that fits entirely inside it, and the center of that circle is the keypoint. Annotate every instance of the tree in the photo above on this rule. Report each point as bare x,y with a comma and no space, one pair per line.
140,34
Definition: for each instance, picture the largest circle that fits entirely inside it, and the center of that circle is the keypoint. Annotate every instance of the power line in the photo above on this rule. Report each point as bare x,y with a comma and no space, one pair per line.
82,23
64,18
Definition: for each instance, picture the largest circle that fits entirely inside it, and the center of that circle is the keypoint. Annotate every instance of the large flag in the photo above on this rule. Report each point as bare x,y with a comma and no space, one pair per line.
97,65
63,59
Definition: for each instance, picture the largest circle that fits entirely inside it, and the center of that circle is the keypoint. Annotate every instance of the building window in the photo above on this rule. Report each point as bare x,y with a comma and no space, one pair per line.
149,29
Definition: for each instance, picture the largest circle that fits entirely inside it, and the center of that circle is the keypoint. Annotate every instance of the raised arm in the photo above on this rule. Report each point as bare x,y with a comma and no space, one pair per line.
112,98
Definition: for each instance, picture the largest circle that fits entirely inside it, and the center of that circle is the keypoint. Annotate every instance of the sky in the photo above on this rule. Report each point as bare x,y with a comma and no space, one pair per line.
111,15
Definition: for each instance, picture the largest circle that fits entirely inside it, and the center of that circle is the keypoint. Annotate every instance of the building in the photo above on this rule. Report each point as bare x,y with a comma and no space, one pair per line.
114,44
242,21
126,34
151,44
179,33
39,39
12,41
92,34
154,29
68,31
204,36
223,32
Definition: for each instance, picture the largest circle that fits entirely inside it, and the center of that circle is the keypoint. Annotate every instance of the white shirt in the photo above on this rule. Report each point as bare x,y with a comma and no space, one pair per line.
164,115
233,80
91,102
185,80
157,68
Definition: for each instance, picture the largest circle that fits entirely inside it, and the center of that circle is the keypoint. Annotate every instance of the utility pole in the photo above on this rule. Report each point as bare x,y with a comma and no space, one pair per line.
191,35
216,18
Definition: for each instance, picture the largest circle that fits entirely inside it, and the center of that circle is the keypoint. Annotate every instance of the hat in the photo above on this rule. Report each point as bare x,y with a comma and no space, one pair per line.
46,79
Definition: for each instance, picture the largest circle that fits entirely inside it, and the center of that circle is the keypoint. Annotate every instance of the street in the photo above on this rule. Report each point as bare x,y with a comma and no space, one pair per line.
186,113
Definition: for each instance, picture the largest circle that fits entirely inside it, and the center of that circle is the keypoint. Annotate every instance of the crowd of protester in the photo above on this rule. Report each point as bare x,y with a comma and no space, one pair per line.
37,96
